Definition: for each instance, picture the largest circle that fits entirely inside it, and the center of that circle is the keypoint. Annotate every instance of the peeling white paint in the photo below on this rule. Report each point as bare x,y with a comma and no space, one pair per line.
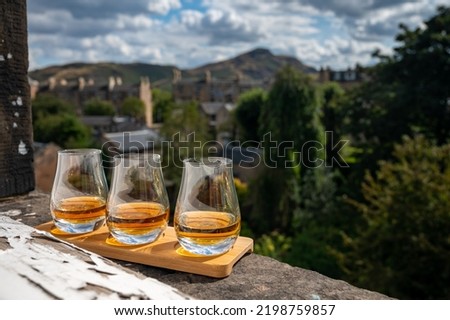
9,56
16,114
30,214
2,58
14,103
63,275
14,125
22,148
11,213
19,101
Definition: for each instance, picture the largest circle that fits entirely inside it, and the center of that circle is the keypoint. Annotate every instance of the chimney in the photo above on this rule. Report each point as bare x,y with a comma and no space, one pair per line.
238,76
145,94
176,75
207,76
63,82
81,83
324,74
119,81
111,83
51,83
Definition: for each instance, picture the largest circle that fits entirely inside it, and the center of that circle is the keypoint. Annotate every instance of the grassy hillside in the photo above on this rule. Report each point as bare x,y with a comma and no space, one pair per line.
254,65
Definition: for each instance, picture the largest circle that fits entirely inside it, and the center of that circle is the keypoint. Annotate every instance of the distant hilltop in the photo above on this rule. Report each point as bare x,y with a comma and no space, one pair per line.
258,64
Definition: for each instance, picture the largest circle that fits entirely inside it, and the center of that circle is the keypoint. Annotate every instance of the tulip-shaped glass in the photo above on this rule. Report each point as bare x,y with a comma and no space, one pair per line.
207,217
78,198
138,205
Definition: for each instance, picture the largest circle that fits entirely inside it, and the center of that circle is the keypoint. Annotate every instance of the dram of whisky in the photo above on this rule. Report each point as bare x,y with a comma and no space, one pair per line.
79,210
207,228
137,222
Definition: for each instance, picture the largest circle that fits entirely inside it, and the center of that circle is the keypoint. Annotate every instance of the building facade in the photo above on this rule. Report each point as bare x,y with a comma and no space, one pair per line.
209,89
113,91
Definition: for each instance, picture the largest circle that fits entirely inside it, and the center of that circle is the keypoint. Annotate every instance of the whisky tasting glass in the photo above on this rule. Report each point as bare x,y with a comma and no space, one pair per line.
207,217
138,205
78,198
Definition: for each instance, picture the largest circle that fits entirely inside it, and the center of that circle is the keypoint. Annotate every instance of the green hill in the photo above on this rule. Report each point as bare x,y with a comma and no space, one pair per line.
254,65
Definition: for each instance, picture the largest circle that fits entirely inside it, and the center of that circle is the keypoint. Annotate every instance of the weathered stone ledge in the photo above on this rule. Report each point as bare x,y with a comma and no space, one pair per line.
254,277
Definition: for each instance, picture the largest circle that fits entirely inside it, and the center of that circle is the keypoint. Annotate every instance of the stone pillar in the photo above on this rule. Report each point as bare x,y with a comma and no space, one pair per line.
16,138
145,94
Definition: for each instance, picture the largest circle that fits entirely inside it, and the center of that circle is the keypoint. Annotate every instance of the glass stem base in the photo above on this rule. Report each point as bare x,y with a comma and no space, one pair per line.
215,248
82,227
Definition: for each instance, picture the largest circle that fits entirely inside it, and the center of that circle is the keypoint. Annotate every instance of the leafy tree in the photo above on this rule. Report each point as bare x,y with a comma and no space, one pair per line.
291,111
134,107
313,247
419,73
275,245
45,104
247,114
290,118
54,120
162,105
331,101
408,92
65,130
185,131
96,107
403,249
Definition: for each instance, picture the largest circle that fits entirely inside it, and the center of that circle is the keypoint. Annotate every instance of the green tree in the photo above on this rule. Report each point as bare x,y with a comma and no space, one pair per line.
289,118
63,129
407,94
97,107
133,107
45,104
247,114
184,131
403,248
331,96
291,111
162,105
419,73
54,120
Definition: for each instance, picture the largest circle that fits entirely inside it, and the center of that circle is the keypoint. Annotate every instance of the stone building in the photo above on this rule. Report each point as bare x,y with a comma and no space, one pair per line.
218,115
346,78
210,89
114,90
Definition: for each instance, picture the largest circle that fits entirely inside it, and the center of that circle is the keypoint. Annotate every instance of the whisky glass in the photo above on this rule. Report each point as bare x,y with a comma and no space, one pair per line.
79,192
138,205
207,217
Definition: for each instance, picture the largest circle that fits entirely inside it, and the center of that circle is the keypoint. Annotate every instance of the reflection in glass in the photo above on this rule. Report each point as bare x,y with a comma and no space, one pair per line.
78,198
207,216
138,205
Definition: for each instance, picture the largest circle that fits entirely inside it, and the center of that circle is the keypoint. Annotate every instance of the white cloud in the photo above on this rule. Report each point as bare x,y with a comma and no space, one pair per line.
133,22
163,6
337,33
191,18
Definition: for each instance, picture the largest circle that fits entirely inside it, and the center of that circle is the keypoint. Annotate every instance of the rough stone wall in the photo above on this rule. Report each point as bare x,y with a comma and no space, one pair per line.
16,151
253,277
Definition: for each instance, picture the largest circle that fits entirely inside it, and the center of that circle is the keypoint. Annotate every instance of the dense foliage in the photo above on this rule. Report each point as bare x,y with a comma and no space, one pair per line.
381,221
162,104
97,107
247,114
403,246
133,107
55,121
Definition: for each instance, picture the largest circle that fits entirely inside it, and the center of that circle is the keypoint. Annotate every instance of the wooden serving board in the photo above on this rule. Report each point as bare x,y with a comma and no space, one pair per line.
163,253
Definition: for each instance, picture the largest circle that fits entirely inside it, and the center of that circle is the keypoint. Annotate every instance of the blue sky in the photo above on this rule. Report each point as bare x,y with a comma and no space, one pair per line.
188,33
